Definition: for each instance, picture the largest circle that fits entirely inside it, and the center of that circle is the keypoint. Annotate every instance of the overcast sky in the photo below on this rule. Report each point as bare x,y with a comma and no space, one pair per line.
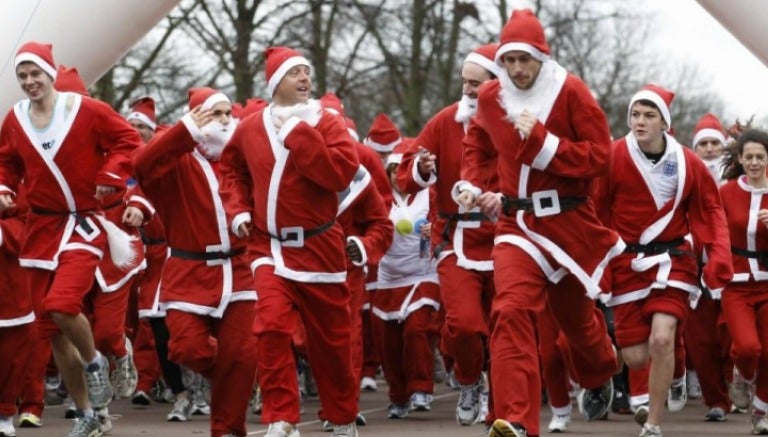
685,29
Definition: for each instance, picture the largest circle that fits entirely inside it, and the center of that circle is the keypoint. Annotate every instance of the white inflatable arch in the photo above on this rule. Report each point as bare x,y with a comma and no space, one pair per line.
88,34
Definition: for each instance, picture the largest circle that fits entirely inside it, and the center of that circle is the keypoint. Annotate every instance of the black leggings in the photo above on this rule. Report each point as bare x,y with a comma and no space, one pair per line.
171,370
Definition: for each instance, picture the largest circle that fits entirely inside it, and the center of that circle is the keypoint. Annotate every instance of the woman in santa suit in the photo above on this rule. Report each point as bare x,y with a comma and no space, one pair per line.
745,300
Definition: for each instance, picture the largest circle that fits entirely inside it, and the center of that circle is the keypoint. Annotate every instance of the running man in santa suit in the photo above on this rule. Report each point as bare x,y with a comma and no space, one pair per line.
206,287
72,152
707,341
464,238
548,138
282,171
657,192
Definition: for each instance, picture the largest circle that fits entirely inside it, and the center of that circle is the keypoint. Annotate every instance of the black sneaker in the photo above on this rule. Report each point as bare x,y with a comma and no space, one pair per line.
620,404
594,403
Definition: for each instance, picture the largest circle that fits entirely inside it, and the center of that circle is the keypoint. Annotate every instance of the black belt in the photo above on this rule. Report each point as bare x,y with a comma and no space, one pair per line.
761,257
149,241
511,204
304,234
205,256
41,211
657,247
450,217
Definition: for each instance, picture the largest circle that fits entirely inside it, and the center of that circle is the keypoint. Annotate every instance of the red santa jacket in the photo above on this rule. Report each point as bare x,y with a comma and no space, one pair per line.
365,220
15,298
630,202
110,277
286,182
566,149
745,230
95,145
471,240
208,267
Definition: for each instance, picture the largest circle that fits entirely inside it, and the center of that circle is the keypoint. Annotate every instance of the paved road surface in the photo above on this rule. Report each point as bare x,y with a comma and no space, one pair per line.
150,421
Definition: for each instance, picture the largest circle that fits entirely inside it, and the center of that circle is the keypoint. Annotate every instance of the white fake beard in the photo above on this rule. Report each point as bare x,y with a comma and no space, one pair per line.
309,112
217,136
467,109
535,99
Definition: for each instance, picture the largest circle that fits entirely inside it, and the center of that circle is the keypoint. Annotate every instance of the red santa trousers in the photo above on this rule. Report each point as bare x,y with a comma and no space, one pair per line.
521,292
31,398
15,350
466,296
324,310
638,385
556,365
145,356
407,353
745,311
222,351
108,312
707,346
62,290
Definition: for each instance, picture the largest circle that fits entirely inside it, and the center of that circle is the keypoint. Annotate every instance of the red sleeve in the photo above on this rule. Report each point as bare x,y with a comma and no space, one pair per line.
236,188
583,156
406,174
602,196
118,139
709,226
135,198
479,154
371,214
11,166
325,155
161,155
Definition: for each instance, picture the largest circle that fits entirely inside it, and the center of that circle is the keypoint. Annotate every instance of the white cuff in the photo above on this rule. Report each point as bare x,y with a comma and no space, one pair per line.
194,131
5,189
286,128
360,246
417,176
547,152
460,186
716,293
239,219
145,202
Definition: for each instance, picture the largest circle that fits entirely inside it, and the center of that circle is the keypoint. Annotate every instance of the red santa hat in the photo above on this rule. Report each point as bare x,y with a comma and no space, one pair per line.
39,54
279,61
524,32
383,135
708,126
484,56
332,103
143,110
660,97
205,97
253,106
396,157
68,79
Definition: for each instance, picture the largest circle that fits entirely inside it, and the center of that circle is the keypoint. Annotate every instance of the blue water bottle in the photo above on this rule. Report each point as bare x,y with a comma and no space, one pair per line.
423,240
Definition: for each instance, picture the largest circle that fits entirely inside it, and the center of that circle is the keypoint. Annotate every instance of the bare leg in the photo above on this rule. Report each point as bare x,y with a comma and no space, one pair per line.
78,331
661,345
70,365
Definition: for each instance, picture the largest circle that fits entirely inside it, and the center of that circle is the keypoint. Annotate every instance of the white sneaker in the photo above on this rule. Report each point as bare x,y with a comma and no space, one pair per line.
282,429
368,384
99,387
694,386
740,391
6,427
421,401
105,420
181,411
677,397
395,411
468,404
759,424
124,377
650,431
451,381
347,430
483,400
559,423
